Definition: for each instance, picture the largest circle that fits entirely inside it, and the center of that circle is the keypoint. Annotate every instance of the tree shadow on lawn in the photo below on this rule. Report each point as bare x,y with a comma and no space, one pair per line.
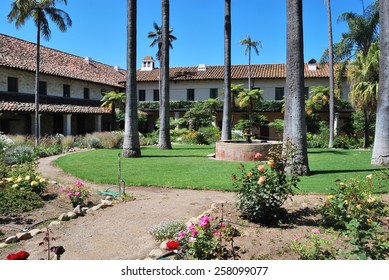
173,156
319,172
329,151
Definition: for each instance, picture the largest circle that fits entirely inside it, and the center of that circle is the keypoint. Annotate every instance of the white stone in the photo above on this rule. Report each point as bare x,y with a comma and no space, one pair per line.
72,215
163,245
3,245
63,217
11,239
23,236
97,207
34,232
156,253
54,223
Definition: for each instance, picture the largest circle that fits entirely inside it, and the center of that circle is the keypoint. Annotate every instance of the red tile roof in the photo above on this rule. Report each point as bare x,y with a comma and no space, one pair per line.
20,54
258,71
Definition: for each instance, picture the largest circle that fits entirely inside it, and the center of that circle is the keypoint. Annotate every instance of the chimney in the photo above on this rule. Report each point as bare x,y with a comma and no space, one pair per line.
89,60
148,63
202,67
312,65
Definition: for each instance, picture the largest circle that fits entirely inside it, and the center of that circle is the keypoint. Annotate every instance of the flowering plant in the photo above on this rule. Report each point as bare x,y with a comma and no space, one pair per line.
264,188
21,255
77,194
203,241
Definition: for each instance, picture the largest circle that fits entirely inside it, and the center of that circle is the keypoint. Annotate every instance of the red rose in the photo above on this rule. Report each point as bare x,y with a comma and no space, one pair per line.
172,244
21,255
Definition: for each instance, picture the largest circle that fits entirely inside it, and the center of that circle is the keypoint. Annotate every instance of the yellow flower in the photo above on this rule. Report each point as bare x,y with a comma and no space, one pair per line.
370,199
271,163
34,183
330,196
369,220
15,185
27,178
10,179
19,180
358,207
342,184
369,177
261,180
42,180
345,202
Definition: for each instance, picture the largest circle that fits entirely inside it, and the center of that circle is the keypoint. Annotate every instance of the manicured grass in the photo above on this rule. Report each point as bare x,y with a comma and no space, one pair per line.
189,167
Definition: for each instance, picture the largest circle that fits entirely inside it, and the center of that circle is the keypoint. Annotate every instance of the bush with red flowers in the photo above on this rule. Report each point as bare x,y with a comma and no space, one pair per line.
21,255
172,245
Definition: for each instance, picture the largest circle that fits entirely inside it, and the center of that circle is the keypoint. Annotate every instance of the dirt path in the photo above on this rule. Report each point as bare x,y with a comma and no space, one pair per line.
121,231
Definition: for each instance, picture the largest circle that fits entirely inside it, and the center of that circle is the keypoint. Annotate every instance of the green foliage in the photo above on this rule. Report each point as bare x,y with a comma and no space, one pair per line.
200,115
167,230
5,142
263,190
204,136
320,138
19,154
315,247
347,142
149,139
15,200
244,122
77,194
358,214
154,105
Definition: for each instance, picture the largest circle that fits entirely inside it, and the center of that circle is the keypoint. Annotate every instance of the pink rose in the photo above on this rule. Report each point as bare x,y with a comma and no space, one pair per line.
69,194
194,232
217,233
77,193
257,156
181,234
315,230
261,168
204,220
79,184
191,227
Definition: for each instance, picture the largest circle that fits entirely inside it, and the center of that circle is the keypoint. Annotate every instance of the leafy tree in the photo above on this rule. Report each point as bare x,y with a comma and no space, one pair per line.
131,143
250,99
381,141
112,100
227,116
363,75
250,45
39,12
294,116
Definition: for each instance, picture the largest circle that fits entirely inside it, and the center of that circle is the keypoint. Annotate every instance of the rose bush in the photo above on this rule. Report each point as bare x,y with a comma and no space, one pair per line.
264,188
77,194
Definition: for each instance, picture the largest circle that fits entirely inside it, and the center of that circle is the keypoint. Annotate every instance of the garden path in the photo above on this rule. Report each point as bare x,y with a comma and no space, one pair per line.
121,232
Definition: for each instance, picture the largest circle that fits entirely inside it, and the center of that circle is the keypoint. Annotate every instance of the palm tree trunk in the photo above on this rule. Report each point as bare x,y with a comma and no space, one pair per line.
227,118
37,120
294,115
381,140
366,133
331,69
249,69
131,144
164,110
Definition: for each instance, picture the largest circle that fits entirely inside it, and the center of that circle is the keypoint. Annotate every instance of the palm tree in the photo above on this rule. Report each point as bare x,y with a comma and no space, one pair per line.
164,110
294,116
331,69
381,140
156,37
363,74
250,45
227,118
112,100
131,144
39,12
250,99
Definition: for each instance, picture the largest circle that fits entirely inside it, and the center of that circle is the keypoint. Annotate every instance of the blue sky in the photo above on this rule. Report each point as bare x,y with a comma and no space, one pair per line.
99,29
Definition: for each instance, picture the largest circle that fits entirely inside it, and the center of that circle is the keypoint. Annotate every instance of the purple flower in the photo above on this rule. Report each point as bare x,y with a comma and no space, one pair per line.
204,220
315,230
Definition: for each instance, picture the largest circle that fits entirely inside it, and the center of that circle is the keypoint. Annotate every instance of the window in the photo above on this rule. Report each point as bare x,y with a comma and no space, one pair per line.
66,91
86,93
13,84
156,95
190,94
213,93
279,93
42,88
142,95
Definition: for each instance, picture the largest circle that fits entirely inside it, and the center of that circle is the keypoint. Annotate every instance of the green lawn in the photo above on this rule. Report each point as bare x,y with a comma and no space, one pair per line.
189,167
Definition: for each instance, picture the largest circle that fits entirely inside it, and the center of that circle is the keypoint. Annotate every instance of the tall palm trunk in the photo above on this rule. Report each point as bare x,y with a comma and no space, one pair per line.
37,119
381,140
227,125
294,116
249,69
164,110
131,144
331,69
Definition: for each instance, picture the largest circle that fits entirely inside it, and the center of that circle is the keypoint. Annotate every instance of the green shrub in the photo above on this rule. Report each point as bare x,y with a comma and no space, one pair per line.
347,142
166,230
15,200
263,190
67,142
5,142
19,154
92,141
149,139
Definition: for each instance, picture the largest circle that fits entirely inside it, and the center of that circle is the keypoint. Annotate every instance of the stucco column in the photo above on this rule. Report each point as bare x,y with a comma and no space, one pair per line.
98,123
176,117
67,124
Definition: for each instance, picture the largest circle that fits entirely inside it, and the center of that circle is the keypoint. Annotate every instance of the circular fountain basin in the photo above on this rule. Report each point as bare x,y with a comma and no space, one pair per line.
236,150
